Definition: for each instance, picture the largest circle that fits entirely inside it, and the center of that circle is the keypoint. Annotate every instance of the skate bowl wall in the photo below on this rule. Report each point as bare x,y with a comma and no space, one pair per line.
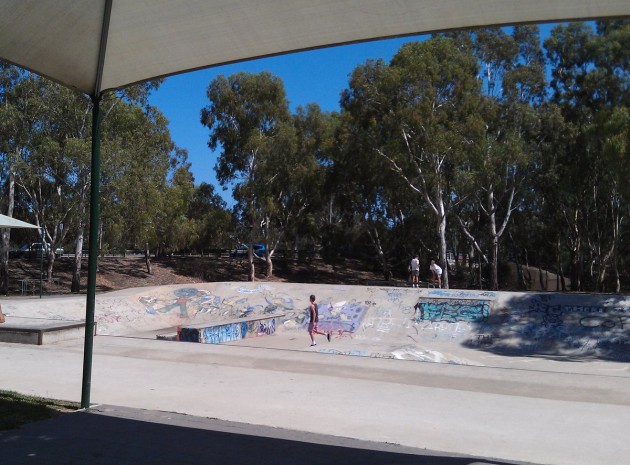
386,321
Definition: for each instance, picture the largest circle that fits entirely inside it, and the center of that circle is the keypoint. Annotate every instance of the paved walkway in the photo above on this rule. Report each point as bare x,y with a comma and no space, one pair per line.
502,414
111,435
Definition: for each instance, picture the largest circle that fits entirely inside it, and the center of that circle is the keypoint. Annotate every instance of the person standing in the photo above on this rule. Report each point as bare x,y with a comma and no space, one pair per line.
314,319
415,271
437,273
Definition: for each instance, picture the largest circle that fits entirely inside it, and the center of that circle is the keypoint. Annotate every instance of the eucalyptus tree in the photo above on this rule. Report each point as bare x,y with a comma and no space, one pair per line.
590,82
291,177
13,139
368,193
249,120
135,182
175,229
421,121
499,167
213,223
50,159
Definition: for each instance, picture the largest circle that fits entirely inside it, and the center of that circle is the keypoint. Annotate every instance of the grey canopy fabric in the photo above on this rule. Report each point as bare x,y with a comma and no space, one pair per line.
8,222
95,45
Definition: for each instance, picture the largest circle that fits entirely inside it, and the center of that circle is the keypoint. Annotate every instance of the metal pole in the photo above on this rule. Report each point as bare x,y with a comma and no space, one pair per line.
92,251
41,262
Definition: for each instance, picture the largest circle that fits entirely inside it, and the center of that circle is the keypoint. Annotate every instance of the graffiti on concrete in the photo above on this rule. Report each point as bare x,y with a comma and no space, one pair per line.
459,294
452,310
548,324
180,301
554,317
260,289
356,353
229,332
444,329
186,303
341,317
221,333
260,327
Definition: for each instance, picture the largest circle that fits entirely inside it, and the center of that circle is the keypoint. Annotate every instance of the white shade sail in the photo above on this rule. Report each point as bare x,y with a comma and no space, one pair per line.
70,41
8,222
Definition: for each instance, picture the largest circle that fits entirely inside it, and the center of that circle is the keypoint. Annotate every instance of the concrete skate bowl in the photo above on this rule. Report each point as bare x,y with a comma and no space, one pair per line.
557,326
438,325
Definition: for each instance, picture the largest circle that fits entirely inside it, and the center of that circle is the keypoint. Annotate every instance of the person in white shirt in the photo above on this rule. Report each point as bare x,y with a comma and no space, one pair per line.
437,273
415,271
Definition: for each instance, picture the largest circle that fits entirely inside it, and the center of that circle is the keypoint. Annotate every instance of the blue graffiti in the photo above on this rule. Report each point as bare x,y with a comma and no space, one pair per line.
455,294
339,319
453,311
223,333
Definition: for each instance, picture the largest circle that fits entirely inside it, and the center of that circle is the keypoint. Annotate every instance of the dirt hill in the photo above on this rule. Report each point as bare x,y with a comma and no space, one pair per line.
117,273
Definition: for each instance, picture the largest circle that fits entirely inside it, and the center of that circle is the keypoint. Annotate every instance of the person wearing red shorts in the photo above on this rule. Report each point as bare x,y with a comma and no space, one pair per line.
312,324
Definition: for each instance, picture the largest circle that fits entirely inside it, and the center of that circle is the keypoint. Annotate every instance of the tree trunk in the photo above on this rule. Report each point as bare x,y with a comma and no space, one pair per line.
78,249
50,257
251,274
147,257
269,262
78,255
6,239
442,235
494,265
380,254
4,261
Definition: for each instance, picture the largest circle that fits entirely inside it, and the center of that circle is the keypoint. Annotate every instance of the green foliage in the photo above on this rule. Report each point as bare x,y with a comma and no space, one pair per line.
458,145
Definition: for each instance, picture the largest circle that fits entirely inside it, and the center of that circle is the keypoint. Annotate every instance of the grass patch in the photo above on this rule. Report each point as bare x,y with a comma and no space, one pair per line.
18,409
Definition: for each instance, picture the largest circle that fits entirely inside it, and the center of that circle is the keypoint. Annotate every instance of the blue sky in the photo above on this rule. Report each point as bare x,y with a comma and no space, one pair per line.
317,76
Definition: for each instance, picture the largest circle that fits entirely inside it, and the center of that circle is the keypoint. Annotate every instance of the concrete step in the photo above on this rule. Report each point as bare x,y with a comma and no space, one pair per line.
39,331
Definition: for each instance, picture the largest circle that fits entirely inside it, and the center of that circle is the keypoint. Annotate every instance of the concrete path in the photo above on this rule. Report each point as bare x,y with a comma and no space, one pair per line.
503,414
109,435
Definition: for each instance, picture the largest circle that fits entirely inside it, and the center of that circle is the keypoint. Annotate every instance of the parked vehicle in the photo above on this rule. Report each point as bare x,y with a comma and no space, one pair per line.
241,251
22,251
34,250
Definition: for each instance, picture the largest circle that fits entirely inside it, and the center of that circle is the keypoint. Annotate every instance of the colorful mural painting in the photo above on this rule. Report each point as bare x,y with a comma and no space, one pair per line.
452,310
218,334
341,317
527,323
187,303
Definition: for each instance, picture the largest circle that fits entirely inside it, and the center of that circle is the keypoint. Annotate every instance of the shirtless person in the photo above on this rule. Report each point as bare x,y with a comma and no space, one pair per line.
312,324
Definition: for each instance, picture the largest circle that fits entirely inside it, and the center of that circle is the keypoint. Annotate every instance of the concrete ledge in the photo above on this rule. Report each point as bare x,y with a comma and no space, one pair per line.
39,331
227,331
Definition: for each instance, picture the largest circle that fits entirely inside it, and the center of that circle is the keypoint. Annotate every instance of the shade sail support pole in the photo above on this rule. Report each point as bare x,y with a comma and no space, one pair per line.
92,252
95,180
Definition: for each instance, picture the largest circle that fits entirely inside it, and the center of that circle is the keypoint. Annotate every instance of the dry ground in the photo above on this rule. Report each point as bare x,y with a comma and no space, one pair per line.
117,273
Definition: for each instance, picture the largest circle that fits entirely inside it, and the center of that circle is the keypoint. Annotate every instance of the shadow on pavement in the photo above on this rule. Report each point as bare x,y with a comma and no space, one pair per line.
165,438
